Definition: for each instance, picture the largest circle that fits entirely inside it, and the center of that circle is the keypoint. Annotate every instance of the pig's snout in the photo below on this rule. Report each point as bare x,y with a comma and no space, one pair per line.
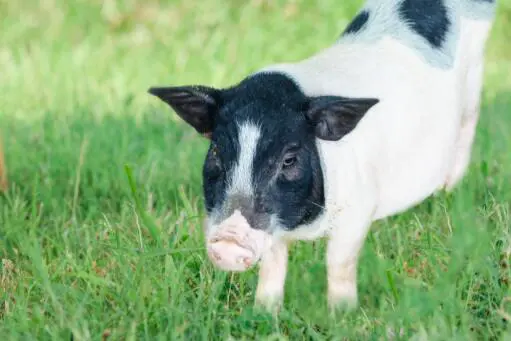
229,256
235,246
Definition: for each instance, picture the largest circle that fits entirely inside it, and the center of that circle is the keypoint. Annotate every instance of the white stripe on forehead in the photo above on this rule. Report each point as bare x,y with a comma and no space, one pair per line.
241,181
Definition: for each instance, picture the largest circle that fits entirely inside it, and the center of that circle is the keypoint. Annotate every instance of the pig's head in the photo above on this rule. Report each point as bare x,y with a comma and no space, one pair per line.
262,172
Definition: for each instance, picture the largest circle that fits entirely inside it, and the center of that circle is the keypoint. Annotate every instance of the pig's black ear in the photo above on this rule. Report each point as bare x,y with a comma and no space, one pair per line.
333,117
196,105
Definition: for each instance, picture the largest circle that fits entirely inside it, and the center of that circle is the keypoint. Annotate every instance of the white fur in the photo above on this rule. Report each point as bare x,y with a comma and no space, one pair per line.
241,181
472,82
272,275
415,141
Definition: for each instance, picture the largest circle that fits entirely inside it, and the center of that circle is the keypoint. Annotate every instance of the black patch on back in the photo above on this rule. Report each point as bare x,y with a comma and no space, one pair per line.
357,23
428,18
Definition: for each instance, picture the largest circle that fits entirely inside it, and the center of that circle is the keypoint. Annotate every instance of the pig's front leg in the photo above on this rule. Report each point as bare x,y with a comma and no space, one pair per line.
272,276
346,240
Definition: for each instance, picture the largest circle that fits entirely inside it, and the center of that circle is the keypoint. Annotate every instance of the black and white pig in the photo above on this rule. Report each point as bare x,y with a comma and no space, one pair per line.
362,130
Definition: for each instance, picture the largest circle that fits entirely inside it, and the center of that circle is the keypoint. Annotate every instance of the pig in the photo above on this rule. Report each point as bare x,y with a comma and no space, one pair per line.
363,129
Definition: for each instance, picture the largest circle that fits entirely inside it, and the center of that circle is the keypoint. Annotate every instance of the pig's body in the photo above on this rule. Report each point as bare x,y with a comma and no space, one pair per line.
408,77
418,138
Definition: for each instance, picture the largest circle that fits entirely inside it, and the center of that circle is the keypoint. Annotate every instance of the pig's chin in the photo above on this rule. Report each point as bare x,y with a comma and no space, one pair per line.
234,246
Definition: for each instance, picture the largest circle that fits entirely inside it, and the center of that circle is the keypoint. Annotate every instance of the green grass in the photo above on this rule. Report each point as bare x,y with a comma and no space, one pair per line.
79,258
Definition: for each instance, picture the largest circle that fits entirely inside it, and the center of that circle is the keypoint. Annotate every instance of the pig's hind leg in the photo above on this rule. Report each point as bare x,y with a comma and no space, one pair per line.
473,35
469,119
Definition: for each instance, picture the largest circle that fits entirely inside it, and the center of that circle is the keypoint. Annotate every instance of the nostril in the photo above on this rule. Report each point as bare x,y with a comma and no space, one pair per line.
216,256
247,262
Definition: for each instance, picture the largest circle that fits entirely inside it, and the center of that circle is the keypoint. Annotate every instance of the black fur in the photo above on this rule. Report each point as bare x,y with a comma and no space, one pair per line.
337,116
276,104
428,18
357,23
197,105
287,175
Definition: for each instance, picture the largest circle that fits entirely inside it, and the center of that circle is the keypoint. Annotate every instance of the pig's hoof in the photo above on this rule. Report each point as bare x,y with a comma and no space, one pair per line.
342,304
343,297
269,304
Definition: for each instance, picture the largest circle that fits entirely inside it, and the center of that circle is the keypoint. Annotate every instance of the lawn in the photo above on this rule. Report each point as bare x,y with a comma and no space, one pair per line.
100,231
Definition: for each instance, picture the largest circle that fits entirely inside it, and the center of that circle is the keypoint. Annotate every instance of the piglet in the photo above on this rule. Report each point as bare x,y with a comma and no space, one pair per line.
321,148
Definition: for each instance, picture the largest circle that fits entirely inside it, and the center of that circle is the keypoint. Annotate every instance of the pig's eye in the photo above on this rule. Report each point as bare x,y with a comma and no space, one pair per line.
289,161
213,162
214,151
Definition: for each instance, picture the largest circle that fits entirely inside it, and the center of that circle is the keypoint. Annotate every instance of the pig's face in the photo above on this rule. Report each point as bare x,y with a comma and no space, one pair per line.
263,160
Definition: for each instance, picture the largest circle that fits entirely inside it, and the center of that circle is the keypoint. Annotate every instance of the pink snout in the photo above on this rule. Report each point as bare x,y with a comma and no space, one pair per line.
235,246
229,256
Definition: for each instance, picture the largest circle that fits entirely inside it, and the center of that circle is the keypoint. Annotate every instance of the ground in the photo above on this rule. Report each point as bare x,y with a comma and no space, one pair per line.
100,231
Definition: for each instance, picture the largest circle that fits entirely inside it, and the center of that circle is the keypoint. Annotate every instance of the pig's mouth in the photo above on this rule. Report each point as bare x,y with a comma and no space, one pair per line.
235,246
